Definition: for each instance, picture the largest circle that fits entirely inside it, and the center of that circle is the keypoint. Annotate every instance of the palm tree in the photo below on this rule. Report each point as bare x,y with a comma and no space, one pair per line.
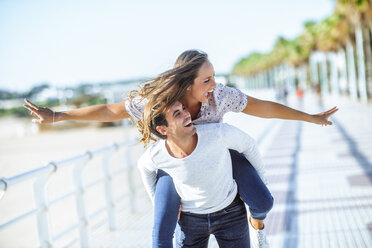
358,14
347,30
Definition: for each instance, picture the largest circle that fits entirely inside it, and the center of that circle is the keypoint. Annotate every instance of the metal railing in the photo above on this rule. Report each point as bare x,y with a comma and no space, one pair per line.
42,203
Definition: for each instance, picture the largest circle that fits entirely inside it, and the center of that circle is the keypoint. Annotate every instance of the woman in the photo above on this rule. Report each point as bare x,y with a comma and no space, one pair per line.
192,82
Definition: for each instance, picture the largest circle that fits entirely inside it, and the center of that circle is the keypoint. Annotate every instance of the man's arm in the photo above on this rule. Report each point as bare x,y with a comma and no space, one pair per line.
148,173
240,141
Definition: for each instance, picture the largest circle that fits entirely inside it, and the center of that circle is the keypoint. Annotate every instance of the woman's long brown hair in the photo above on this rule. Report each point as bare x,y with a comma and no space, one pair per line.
168,87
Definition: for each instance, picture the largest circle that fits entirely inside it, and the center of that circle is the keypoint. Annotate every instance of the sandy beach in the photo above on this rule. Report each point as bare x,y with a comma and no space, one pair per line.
22,149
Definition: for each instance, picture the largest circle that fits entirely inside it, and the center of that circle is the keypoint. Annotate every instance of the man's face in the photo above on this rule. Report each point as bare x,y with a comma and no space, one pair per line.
179,122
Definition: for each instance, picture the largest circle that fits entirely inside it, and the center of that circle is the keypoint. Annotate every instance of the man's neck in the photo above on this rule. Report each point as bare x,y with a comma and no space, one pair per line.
181,148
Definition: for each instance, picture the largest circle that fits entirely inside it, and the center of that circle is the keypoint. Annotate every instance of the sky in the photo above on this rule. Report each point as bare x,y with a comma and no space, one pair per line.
68,42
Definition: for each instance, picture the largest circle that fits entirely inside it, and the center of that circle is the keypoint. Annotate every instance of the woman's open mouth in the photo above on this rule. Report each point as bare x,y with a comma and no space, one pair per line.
188,124
208,93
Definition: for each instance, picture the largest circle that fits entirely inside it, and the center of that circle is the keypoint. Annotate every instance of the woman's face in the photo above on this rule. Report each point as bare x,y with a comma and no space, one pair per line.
203,84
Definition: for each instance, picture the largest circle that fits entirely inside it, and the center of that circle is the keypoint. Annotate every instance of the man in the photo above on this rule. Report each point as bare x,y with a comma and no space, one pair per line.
198,160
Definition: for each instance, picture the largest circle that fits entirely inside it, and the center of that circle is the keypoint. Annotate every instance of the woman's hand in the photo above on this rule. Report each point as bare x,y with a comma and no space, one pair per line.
44,115
179,212
322,118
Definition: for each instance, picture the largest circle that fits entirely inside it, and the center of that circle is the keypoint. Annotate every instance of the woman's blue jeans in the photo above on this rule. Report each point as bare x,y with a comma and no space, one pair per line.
167,202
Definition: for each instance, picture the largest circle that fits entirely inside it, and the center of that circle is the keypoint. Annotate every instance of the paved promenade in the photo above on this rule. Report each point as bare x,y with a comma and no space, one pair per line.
320,177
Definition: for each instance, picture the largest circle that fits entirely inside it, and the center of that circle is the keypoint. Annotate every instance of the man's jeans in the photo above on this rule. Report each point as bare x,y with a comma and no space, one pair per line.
229,226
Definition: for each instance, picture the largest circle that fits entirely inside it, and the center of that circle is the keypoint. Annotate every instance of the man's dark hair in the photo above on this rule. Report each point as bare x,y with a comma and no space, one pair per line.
158,120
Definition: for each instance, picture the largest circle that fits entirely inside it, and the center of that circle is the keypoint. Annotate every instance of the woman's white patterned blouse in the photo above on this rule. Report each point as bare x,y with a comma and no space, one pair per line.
224,99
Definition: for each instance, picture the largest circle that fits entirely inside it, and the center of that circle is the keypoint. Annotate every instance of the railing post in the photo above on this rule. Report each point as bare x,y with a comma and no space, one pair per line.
80,201
41,202
130,183
110,200
3,187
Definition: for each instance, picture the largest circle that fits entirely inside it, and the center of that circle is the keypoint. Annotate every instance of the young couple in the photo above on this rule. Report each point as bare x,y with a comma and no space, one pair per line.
198,160
191,82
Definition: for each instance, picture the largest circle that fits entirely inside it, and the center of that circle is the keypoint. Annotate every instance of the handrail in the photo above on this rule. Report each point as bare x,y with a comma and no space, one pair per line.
3,187
49,168
42,175
6,183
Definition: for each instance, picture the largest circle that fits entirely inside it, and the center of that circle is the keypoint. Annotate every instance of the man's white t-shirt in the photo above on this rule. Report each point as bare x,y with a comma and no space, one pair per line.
203,179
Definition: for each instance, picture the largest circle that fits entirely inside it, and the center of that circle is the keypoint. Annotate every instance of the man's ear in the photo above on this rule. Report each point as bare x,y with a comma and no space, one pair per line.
162,130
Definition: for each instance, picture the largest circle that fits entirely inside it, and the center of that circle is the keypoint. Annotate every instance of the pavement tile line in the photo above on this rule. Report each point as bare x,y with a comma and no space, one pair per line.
358,155
334,211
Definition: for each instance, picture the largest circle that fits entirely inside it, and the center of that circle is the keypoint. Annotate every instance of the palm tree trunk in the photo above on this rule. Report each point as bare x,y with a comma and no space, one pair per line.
264,79
324,75
277,76
307,76
368,57
260,80
287,77
314,75
268,78
301,76
341,63
272,77
361,64
255,81
333,73
292,71
351,71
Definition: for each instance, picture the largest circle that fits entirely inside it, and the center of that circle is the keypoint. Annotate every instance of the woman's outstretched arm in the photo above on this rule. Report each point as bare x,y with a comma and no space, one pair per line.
268,109
102,112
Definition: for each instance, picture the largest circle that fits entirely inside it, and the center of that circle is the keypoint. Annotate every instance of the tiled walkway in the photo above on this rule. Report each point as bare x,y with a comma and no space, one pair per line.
320,177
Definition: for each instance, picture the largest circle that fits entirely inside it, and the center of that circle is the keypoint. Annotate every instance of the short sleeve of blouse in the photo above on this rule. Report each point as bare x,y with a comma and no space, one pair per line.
230,99
135,107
